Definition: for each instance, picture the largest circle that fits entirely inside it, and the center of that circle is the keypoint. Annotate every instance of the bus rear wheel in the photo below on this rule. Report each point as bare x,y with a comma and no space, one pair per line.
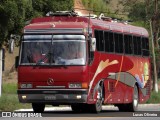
122,107
38,107
134,105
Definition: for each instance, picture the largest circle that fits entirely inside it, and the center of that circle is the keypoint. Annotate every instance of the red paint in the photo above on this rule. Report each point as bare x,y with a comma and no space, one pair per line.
38,75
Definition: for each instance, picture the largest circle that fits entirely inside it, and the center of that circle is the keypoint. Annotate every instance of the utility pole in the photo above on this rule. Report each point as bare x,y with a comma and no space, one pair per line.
154,33
155,85
156,24
1,66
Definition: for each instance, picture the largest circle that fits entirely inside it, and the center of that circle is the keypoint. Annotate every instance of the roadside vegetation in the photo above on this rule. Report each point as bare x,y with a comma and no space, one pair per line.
154,98
9,99
98,7
15,13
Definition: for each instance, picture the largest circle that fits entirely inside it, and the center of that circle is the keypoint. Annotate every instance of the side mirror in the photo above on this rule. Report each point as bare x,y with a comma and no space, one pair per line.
16,62
93,44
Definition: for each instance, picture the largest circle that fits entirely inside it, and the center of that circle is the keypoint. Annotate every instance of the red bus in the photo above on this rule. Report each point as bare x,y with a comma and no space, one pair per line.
67,59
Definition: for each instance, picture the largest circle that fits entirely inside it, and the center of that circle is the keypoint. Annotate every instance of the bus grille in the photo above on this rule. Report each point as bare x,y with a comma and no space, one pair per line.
111,86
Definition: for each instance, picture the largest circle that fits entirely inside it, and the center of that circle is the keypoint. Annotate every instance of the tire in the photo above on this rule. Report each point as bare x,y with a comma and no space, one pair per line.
122,107
83,108
132,107
76,108
38,107
97,107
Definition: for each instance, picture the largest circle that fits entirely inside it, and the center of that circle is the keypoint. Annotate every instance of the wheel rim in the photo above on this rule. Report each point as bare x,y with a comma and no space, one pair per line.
99,100
135,99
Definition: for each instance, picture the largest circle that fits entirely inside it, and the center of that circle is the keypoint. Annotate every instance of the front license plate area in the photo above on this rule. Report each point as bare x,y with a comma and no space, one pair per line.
50,97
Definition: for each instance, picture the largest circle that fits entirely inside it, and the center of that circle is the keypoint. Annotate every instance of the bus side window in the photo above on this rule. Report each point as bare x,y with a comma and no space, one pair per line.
139,45
106,38
118,38
96,34
128,44
99,40
145,46
109,41
135,46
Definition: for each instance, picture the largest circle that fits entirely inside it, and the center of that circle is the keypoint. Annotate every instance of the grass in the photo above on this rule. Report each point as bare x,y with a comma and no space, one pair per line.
9,99
9,88
154,98
92,4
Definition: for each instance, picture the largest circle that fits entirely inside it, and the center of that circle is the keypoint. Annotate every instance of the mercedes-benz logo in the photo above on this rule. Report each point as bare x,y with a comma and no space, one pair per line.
50,81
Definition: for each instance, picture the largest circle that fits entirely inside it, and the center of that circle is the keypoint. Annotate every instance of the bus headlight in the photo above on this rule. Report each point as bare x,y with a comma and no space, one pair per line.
75,85
26,86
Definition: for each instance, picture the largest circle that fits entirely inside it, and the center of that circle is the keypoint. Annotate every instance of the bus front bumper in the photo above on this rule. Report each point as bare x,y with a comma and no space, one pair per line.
65,96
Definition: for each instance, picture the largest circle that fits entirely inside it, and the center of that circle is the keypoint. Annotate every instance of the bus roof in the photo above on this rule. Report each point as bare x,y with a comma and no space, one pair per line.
65,22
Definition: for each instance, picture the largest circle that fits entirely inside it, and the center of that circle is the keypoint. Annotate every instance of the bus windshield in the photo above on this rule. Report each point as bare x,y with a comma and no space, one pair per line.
53,50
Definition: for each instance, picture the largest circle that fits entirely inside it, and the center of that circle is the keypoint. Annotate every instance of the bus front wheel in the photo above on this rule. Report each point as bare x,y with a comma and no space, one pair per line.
38,107
76,108
97,107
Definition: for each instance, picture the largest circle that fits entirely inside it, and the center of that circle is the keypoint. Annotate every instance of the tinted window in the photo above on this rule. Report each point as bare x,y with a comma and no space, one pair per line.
137,45
118,38
145,47
109,42
128,44
99,40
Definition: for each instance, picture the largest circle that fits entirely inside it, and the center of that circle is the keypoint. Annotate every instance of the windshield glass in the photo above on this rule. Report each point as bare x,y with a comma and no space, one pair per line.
53,50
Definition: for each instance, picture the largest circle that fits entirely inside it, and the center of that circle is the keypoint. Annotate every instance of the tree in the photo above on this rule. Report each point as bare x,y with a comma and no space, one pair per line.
7,18
15,13
147,11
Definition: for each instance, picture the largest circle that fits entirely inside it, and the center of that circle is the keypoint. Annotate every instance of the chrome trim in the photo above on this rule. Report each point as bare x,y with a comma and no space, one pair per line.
55,30
55,89
50,86
49,41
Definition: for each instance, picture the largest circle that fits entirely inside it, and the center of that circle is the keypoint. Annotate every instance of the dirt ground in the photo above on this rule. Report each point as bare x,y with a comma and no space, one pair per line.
78,4
9,74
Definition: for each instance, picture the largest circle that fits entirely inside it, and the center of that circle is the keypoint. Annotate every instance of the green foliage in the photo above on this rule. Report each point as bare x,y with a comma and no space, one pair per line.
137,12
9,88
14,13
10,102
154,98
96,5
9,99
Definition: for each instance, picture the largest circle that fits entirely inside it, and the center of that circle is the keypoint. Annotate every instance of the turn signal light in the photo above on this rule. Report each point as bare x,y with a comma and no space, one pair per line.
85,85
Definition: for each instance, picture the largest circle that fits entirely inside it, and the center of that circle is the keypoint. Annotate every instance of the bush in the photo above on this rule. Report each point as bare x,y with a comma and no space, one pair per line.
154,98
9,99
9,88
96,5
